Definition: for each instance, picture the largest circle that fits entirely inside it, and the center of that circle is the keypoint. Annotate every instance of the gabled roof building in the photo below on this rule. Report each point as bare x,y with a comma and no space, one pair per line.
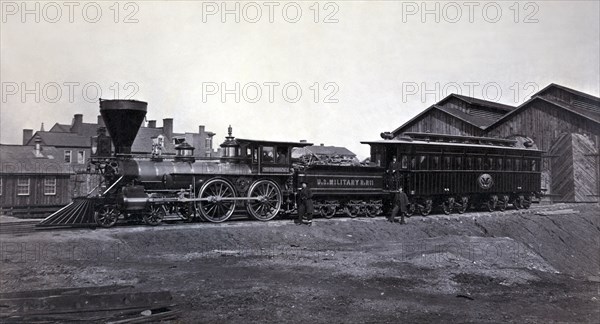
563,122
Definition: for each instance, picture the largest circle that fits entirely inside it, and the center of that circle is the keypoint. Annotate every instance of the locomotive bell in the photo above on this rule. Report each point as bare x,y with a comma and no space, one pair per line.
123,119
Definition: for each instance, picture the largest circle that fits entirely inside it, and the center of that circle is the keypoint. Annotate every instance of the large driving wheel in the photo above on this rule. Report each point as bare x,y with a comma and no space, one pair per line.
266,200
155,215
217,208
106,216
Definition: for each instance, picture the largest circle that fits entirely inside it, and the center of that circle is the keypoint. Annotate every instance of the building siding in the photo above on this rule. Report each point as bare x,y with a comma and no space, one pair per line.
437,121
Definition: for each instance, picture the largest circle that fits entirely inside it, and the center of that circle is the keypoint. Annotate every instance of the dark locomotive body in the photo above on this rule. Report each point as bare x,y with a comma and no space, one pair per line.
261,177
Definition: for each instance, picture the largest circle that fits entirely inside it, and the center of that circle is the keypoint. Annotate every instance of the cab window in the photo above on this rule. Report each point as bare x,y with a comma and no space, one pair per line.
267,154
282,155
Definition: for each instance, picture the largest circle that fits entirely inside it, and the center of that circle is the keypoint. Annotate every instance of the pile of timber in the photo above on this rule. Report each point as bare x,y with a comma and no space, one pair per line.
105,304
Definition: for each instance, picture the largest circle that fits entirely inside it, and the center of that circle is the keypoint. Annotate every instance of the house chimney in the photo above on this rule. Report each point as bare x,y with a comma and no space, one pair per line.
77,122
168,127
322,144
27,134
100,121
151,124
201,129
302,141
38,146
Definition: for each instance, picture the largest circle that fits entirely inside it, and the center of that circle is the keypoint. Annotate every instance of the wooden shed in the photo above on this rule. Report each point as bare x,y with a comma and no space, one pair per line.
456,115
33,179
564,123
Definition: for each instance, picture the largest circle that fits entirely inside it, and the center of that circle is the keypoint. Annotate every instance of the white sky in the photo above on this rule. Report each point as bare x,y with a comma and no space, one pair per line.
376,53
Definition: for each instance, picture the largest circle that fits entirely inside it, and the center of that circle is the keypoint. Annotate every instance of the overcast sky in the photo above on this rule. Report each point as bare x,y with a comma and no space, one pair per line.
375,64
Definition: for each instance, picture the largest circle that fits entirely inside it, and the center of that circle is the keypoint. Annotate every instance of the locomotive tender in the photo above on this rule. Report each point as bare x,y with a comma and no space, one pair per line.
260,176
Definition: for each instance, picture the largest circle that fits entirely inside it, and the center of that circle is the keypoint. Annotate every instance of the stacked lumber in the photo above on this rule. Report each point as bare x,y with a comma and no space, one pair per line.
106,304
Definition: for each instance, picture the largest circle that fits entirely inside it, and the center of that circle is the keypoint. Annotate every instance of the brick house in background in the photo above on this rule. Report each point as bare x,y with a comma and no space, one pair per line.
43,174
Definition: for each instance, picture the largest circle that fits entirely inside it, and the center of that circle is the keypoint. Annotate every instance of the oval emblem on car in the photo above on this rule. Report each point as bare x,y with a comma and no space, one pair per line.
485,181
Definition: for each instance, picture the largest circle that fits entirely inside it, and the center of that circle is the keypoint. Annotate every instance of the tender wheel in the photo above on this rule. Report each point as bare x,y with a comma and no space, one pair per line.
106,216
410,210
464,205
328,211
526,202
155,215
217,208
503,203
352,211
426,209
266,201
448,205
372,210
518,203
491,203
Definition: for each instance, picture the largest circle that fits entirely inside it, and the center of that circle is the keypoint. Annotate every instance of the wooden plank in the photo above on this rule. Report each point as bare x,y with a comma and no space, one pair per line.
80,303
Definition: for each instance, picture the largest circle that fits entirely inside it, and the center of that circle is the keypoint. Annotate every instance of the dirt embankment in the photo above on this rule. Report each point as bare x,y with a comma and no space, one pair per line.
515,266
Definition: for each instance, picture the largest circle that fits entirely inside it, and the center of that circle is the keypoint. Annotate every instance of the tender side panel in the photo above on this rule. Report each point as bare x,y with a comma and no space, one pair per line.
343,180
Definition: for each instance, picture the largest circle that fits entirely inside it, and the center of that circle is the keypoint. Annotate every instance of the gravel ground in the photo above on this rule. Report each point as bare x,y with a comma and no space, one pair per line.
541,265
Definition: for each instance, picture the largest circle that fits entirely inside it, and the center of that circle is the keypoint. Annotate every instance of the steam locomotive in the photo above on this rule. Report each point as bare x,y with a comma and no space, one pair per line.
453,172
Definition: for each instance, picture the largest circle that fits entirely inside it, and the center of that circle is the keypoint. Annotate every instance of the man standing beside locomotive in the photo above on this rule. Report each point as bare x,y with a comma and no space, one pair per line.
400,204
393,174
305,205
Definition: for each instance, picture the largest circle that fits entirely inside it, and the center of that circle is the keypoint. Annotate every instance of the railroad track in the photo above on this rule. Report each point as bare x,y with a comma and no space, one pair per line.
29,226
20,227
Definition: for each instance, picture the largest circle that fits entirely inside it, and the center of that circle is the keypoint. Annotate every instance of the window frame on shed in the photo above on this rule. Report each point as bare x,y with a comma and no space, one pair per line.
51,186
20,186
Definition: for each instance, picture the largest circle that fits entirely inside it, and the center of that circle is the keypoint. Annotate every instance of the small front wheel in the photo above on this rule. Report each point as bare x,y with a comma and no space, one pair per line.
155,215
106,216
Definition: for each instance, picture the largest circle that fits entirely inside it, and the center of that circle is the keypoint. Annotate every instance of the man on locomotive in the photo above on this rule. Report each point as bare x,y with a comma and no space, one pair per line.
400,204
305,205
